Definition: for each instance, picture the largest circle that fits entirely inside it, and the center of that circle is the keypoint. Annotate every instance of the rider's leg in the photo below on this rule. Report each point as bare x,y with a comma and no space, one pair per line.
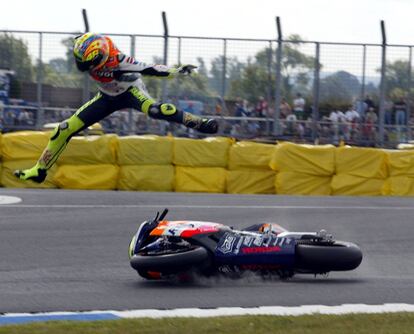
170,113
90,113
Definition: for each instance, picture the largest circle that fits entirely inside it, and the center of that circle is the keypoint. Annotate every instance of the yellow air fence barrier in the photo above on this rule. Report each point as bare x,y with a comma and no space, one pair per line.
209,152
23,145
200,179
307,159
145,150
250,181
146,178
91,177
250,155
293,183
10,181
90,150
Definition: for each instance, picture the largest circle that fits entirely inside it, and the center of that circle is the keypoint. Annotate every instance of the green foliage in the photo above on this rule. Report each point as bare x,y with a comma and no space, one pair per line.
339,88
397,78
62,72
254,78
194,87
14,55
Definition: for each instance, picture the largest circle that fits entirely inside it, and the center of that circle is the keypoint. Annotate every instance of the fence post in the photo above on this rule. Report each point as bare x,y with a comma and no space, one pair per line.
269,85
410,54
179,51
278,86
131,123
164,91
40,111
382,85
85,19
86,82
223,76
364,65
315,108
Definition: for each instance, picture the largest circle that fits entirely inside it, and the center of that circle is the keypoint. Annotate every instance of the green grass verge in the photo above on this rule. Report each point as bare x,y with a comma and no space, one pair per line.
355,323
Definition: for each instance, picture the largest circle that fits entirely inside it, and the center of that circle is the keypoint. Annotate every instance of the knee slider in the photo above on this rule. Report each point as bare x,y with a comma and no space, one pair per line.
59,129
158,110
168,109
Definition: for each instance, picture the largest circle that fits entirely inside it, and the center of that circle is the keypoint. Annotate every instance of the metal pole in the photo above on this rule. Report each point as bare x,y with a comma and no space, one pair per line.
223,75
278,95
164,91
269,85
382,85
86,82
364,65
179,51
315,109
85,19
410,54
131,123
40,111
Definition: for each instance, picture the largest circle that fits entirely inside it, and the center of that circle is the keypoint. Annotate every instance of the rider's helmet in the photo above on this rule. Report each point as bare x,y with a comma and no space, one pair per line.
91,51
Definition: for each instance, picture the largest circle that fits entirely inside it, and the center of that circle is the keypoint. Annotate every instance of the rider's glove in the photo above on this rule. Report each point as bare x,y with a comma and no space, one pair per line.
186,69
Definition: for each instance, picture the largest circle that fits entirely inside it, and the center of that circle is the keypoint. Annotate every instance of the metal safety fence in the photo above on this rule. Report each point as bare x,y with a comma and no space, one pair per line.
258,88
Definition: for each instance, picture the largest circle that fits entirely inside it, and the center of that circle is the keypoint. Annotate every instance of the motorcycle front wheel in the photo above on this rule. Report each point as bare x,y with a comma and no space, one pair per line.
322,258
171,262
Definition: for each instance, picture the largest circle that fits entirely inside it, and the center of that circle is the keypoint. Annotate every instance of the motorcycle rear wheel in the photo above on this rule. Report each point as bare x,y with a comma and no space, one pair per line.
322,258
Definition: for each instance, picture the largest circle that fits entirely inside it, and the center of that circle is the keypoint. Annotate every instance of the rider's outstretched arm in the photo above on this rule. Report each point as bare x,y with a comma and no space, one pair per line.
131,65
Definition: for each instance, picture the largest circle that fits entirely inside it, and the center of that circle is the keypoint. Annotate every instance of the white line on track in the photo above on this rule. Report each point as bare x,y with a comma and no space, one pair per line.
158,206
267,310
214,312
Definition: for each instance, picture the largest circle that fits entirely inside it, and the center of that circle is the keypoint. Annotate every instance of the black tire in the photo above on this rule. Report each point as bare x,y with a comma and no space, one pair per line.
321,258
171,263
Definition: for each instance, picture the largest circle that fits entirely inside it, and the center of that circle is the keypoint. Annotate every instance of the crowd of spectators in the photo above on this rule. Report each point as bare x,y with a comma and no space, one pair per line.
355,124
16,115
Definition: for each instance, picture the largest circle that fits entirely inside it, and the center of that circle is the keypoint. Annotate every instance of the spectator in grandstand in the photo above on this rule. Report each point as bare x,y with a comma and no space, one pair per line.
218,108
361,108
369,102
290,124
400,108
65,113
370,126
351,115
10,118
352,118
334,120
261,108
120,86
389,111
342,126
285,108
23,118
236,130
241,108
299,107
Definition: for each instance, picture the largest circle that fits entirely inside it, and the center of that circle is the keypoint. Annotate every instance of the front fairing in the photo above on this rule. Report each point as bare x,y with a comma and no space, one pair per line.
150,232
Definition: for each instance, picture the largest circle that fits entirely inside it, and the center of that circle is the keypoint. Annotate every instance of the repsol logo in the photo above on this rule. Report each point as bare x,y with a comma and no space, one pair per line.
104,74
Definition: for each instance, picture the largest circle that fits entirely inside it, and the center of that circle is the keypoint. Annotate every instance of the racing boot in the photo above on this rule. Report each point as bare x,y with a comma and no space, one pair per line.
58,140
204,125
37,173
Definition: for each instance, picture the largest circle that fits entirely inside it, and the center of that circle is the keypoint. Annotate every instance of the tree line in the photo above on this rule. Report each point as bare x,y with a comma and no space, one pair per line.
248,80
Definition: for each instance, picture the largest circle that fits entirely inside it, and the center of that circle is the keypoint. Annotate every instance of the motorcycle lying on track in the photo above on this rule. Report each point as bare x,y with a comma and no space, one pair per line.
163,249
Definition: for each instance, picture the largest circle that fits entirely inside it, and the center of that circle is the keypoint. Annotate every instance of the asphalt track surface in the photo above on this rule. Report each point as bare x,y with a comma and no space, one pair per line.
67,250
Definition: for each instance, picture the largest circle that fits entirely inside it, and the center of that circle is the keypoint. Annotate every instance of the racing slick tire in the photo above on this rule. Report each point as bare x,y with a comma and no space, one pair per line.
322,258
170,263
